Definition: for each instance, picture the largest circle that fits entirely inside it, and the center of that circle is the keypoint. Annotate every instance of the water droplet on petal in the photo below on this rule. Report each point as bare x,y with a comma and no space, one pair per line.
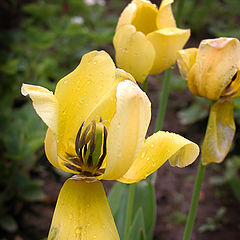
143,155
78,230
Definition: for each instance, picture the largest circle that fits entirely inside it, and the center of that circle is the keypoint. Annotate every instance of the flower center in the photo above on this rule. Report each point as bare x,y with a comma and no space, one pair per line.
90,148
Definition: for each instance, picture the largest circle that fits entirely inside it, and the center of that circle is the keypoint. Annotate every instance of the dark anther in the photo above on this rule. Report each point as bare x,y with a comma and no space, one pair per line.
92,144
93,138
104,148
85,147
83,139
77,149
75,160
84,150
72,167
234,77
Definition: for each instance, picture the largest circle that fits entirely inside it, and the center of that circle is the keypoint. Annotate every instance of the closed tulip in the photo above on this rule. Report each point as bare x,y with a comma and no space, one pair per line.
147,39
213,71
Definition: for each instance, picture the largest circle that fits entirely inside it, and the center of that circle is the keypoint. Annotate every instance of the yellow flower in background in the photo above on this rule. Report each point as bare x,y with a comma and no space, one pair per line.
97,121
213,71
147,39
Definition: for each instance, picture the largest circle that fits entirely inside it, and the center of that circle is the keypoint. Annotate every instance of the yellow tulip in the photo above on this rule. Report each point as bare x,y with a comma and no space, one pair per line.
213,71
147,39
97,121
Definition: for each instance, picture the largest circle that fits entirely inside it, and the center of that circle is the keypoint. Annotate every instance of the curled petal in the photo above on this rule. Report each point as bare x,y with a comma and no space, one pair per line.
185,60
167,42
82,212
156,150
44,103
127,129
220,132
134,53
165,18
217,62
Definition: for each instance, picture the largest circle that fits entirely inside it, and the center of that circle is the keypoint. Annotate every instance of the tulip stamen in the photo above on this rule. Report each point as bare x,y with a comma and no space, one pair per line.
90,148
104,148
77,140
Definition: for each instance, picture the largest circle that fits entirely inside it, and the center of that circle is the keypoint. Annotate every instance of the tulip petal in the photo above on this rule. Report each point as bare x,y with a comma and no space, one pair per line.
217,62
144,19
127,129
82,212
167,42
220,132
121,75
165,18
127,15
50,145
234,87
44,103
185,60
79,92
156,150
134,53
106,107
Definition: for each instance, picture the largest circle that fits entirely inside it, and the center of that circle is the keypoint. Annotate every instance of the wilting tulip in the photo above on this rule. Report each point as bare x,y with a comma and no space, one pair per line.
147,39
213,71
98,118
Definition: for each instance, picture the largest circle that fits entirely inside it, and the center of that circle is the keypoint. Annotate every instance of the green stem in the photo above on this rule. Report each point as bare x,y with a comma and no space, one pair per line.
145,85
163,100
179,11
194,202
129,209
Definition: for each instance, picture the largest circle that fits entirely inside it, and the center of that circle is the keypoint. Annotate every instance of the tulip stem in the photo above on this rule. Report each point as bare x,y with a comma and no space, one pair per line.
129,210
145,85
179,11
163,98
194,202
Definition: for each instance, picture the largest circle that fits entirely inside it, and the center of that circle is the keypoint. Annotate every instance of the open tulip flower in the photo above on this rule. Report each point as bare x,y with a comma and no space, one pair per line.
97,121
147,39
213,71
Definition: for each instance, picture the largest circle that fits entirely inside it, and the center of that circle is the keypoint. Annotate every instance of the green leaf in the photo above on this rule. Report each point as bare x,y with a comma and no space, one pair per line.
40,39
115,196
23,135
8,223
33,192
198,110
235,186
10,67
137,228
118,198
144,198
